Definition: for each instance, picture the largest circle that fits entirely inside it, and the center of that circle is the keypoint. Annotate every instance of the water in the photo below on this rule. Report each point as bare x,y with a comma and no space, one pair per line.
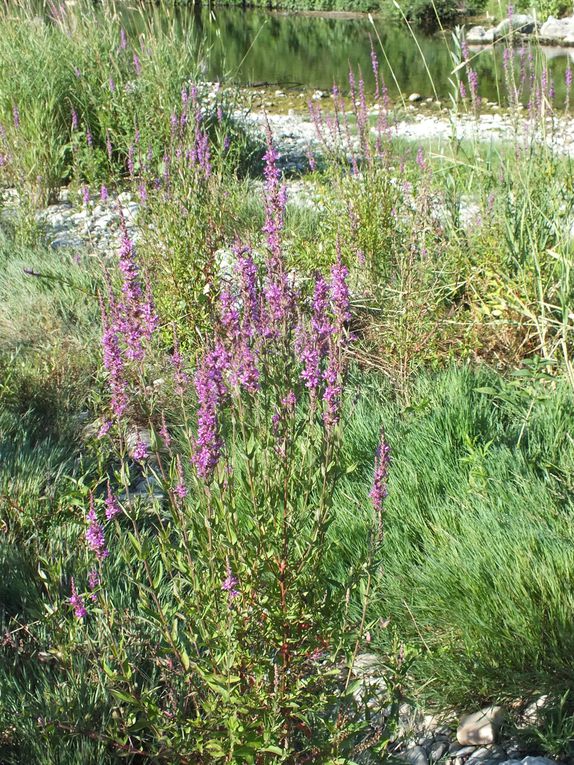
314,51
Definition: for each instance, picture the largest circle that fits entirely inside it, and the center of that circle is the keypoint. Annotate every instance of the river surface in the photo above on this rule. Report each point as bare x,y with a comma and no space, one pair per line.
314,51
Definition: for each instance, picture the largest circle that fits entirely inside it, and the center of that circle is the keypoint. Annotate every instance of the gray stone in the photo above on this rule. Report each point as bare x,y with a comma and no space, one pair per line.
479,36
480,727
531,714
414,97
555,30
486,753
416,755
437,750
461,755
530,760
519,22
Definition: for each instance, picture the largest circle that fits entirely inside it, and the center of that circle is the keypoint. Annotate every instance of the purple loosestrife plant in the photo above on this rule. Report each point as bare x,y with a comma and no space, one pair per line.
231,567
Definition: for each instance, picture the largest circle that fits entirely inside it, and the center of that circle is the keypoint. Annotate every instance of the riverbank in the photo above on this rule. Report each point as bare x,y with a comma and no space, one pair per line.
286,402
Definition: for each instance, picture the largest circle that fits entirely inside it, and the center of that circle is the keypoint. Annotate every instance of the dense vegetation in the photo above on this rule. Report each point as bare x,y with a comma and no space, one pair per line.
199,429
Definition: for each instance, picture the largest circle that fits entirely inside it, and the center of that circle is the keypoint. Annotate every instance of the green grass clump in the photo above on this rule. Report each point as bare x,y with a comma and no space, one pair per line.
478,563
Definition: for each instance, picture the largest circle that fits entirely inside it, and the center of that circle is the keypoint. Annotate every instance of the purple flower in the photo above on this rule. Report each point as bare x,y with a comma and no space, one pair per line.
77,602
123,39
473,83
375,65
229,315
77,72
141,451
320,319
180,489
230,583
86,194
462,89
333,389
421,158
89,139
112,505
181,377
136,318
210,390
103,193
247,269
246,372
93,582
164,432
275,199
568,77
340,294
74,119
95,533
137,65
131,166
112,85
310,355
378,491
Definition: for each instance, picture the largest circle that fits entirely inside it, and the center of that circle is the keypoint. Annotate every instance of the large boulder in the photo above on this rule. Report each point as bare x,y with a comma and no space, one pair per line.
479,36
519,22
556,30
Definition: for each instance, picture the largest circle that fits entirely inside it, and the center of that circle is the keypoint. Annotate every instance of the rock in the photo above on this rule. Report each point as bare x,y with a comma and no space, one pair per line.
437,750
367,664
462,755
555,30
530,761
479,36
531,714
480,727
416,755
486,753
414,97
518,22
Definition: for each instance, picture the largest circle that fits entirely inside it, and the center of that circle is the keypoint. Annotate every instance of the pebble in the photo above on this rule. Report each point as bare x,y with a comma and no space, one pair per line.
437,750
416,755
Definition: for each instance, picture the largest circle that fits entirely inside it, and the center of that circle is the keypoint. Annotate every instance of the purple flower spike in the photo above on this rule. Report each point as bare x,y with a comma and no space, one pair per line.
95,534
230,584
93,583
340,294
141,451
210,390
378,491
77,602
180,489
112,505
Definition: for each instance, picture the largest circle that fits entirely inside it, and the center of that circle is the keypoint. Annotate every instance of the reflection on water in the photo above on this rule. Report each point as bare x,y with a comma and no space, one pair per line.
316,51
